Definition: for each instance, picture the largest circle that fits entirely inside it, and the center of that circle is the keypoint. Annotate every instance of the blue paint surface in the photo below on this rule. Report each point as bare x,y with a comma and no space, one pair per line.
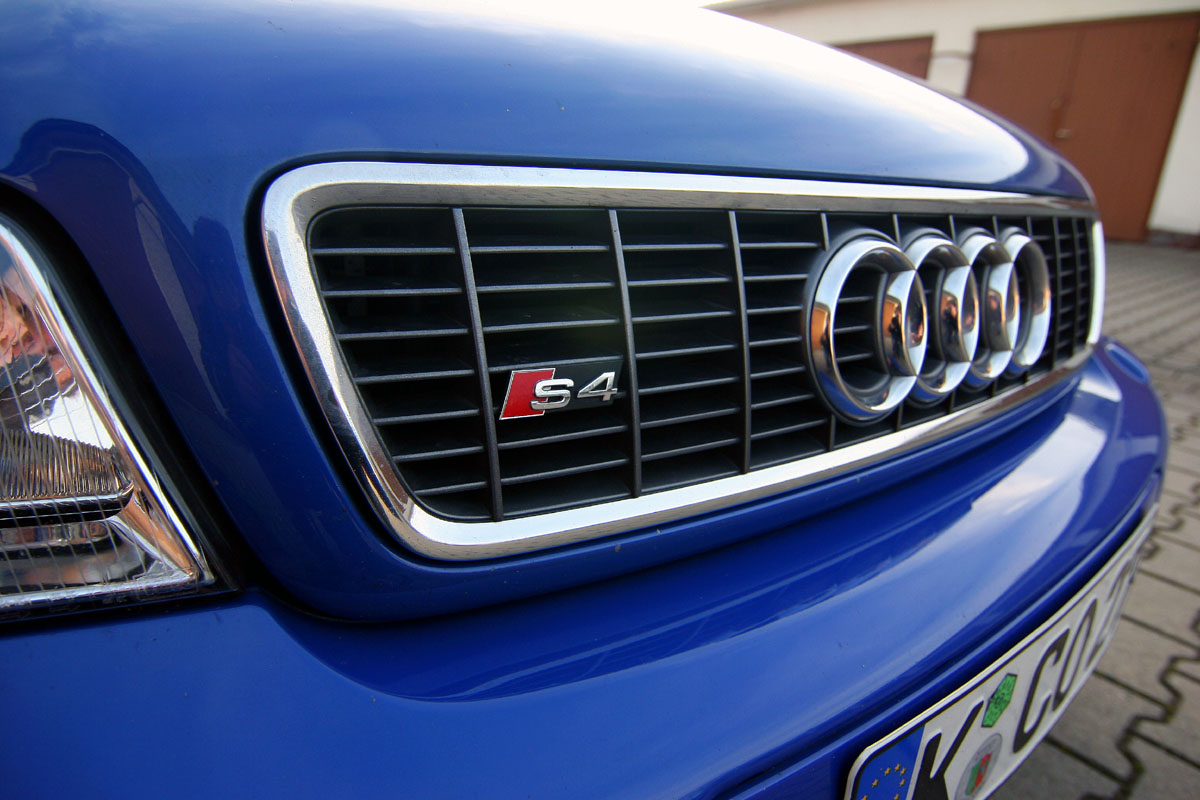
767,665
681,665
148,131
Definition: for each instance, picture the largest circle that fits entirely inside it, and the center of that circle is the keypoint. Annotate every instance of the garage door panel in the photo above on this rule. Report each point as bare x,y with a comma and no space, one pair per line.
907,55
1025,75
1104,93
1118,121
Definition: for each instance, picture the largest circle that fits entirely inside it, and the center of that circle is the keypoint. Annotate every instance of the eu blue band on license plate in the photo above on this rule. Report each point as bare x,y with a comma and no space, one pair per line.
966,745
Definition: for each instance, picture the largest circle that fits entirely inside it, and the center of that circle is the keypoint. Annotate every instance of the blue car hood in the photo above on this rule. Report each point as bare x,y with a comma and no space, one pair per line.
148,132
264,85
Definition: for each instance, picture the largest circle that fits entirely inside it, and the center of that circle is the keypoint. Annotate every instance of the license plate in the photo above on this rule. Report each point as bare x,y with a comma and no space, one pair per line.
966,745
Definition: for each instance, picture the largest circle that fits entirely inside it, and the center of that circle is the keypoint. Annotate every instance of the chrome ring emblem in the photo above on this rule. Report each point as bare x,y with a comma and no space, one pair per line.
1030,264
867,328
1001,306
953,315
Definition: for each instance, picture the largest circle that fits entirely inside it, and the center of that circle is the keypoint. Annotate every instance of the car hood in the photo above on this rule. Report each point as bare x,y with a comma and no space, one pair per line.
148,132
272,84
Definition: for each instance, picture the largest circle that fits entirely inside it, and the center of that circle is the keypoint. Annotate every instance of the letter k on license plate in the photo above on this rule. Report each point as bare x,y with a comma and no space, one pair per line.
962,748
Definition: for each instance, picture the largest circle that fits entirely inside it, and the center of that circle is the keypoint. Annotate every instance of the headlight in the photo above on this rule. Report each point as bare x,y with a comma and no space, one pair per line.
81,514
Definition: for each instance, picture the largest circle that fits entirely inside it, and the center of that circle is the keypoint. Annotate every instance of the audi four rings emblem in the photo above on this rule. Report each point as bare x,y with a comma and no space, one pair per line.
921,319
886,323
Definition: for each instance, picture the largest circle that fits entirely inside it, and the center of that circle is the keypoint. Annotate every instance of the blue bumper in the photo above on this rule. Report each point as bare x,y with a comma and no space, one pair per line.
759,669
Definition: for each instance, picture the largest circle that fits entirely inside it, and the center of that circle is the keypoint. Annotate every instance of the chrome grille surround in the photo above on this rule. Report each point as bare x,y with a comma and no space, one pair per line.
299,197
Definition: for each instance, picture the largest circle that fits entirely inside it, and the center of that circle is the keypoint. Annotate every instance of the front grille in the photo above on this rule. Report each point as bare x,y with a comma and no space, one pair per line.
432,308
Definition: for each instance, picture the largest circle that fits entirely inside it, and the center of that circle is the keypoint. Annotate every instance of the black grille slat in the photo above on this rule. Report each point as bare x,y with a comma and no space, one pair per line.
382,251
679,282
475,315
393,288
336,294
1062,345
780,245
537,249
683,313
771,398
687,309
631,364
851,327
689,437
693,383
430,416
533,273
441,452
688,409
522,500
410,327
765,366
430,374
687,470
674,247
1044,233
746,427
773,278
770,339
569,436
520,320
435,308
397,403
781,425
519,360
702,349
528,474
550,297
544,287
680,449
1082,285
452,489
786,309
778,251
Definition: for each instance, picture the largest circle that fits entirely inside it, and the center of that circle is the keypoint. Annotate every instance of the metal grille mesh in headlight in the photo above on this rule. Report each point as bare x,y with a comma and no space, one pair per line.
81,514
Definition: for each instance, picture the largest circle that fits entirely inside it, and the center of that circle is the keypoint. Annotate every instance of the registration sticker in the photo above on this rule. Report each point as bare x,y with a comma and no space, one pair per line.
966,745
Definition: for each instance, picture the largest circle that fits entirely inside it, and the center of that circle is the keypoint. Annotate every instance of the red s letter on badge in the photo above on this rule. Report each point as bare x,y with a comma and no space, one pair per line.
519,397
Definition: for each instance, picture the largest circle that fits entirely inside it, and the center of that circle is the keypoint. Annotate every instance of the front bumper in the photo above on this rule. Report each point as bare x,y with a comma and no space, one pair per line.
760,669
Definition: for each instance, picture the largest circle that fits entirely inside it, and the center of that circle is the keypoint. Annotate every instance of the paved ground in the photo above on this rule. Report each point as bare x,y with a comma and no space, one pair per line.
1134,730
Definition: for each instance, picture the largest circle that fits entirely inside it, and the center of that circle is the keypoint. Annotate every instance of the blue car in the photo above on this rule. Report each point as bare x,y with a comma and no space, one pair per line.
476,401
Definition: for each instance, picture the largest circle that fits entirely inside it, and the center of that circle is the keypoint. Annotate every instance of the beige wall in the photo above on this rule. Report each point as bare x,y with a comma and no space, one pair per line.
953,23
1177,202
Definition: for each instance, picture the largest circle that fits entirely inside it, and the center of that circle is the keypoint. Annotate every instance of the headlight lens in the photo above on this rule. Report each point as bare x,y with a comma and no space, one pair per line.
81,514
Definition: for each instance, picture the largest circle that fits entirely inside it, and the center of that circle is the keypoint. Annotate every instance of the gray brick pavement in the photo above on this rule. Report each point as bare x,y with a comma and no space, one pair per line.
1170,560
1053,772
1180,735
1133,733
1163,606
1161,775
1136,656
1102,704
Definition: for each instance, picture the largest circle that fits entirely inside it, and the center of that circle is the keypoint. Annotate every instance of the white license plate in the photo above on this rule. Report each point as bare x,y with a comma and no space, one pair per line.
966,745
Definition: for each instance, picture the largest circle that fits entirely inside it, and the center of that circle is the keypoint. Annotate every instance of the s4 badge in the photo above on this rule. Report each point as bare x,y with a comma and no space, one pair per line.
533,392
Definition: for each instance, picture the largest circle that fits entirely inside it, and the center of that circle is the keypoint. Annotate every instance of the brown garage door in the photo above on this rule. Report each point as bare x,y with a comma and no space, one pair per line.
1104,93
906,55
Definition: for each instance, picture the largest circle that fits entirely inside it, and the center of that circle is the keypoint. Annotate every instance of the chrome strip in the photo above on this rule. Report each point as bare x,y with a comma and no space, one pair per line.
305,191
1099,269
296,197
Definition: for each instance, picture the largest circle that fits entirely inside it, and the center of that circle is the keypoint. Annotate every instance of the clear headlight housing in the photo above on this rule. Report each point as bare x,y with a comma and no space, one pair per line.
82,517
